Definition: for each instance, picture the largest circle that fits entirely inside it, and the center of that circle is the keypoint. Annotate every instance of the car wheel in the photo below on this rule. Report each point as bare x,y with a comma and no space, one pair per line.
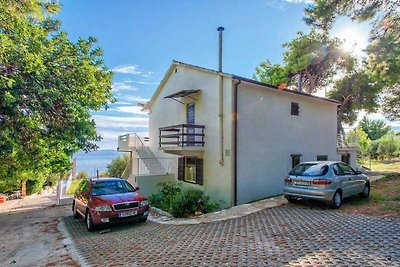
74,212
336,200
89,223
366,191
291,199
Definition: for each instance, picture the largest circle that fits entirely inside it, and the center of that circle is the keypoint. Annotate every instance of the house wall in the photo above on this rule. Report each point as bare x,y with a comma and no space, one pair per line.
167,112
268,134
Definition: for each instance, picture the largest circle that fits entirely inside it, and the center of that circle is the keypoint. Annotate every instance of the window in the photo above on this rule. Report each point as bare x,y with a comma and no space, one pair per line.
309,169
294,109
322,157
295,159
346,169
190,170
346,158
337,170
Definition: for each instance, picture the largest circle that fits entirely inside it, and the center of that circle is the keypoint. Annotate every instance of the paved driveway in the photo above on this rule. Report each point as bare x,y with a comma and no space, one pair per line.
277,236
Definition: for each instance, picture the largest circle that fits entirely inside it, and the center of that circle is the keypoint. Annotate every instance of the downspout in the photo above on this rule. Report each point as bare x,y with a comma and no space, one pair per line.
235,129
221,98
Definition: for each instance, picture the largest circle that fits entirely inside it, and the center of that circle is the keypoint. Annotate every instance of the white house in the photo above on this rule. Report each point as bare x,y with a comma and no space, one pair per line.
233,137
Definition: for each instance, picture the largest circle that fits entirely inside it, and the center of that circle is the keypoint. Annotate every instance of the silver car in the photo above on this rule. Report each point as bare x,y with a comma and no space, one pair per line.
327,181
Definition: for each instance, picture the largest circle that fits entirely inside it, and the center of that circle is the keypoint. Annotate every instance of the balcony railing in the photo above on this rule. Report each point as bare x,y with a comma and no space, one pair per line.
153,166
182,135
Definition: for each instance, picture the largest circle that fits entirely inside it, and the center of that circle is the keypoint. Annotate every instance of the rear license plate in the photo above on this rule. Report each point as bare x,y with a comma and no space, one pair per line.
303,183
127,214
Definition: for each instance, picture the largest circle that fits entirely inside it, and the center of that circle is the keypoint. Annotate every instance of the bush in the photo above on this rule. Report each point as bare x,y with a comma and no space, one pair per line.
73,186
34,186
180,202
118,165
82,175
189,201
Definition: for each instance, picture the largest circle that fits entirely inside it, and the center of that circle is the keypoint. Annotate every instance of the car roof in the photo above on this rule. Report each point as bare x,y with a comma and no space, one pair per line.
106,179
327,162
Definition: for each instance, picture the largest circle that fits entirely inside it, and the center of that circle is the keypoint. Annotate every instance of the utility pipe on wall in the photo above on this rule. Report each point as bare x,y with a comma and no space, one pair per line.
221,98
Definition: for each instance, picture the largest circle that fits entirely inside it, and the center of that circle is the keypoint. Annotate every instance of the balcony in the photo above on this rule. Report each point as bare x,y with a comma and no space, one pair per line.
182,139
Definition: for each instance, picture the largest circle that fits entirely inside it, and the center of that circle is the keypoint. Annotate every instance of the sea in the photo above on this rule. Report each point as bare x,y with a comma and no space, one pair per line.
96,160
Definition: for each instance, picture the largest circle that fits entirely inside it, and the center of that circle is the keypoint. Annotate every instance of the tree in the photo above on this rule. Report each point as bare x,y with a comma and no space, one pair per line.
82,175
355,91
387,146
118,165
363,142
383,62
314,58
48,86
375,129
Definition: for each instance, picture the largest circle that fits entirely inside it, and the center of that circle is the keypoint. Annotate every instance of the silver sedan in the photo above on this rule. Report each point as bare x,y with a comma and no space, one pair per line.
327,181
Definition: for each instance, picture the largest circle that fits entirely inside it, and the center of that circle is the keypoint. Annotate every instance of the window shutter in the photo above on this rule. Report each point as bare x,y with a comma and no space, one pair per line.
181,169
199,171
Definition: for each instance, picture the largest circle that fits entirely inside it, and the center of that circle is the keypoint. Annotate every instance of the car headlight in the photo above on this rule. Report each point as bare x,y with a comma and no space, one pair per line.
144,203
103,208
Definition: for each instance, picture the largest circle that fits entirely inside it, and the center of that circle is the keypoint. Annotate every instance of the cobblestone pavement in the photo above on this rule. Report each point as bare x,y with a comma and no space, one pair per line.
273,237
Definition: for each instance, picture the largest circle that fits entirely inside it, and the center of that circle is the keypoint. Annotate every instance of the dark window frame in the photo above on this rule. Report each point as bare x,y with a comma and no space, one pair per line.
322,157
182,162
296,159
294,109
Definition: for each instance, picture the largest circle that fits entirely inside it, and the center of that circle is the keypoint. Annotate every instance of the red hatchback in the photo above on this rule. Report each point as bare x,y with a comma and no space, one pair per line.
106,200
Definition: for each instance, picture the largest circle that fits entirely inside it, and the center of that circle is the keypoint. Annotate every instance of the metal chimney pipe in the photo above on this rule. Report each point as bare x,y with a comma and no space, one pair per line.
220,29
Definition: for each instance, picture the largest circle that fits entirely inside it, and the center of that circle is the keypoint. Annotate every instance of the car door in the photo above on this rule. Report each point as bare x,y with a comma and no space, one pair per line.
343,180
350,177
79,197
85,196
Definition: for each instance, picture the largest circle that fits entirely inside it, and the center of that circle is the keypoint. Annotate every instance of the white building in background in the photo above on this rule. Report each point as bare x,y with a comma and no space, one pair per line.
233,137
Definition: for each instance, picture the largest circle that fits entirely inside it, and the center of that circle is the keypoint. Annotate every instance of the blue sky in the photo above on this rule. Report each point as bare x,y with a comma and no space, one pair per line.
140,39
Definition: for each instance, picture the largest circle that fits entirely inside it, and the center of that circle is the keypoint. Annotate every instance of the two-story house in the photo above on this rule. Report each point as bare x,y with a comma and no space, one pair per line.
233,137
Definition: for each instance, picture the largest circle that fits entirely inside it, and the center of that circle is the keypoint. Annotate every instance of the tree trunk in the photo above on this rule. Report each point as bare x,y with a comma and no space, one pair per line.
23,188
311,80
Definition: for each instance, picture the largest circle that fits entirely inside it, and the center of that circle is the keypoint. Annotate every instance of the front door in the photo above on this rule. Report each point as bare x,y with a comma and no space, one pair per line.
190,120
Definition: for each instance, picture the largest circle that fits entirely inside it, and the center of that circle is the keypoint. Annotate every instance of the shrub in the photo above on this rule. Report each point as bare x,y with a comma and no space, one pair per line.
181,202
118,165
34,186
73,186
189,201
82,175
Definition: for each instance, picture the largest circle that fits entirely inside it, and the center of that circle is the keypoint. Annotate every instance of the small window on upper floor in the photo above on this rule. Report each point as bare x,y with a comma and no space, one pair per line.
322,157
294,109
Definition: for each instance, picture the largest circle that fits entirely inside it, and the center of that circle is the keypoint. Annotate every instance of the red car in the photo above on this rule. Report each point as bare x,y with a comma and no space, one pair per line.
105,200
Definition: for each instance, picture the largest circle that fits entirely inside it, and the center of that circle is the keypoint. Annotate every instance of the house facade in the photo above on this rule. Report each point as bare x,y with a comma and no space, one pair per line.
232,137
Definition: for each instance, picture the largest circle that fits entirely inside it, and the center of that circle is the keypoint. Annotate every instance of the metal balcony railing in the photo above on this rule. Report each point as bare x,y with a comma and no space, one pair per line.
182,135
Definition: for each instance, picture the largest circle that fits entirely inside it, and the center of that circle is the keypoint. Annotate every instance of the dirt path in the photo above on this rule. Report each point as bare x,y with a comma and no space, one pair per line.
29,235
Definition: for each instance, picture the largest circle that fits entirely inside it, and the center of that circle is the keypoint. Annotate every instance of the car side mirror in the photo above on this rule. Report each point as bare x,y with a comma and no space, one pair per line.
136,188
358,172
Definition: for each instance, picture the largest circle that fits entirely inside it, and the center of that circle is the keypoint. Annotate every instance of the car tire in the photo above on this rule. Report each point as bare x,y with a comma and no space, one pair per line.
366,191
291,199
89,222
74,212
143,219
336,200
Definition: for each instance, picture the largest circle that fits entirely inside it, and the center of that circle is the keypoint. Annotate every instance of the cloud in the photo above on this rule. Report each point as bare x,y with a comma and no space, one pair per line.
125,85
127,69
121,123
144,82
134,98
129,109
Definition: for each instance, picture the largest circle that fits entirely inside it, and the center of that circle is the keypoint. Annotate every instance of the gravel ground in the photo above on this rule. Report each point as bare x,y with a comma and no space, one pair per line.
29,234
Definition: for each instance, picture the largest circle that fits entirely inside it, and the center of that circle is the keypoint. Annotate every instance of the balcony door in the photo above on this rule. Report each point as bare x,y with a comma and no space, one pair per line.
190,120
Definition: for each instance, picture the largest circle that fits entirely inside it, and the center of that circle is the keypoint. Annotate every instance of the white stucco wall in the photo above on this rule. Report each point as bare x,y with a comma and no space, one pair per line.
167,112
268,134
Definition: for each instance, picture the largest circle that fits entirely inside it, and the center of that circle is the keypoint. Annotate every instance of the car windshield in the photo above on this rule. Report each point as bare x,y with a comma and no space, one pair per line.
309,169
111,187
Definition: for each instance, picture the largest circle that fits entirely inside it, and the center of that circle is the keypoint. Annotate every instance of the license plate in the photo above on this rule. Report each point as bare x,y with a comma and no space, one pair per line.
127,214
303,183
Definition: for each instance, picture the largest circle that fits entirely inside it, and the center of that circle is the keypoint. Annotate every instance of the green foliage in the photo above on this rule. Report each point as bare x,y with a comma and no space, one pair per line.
82,175
383,61
118,165
34,186
180,202
388,147
375,129
73,186
49,85
314,58
364,143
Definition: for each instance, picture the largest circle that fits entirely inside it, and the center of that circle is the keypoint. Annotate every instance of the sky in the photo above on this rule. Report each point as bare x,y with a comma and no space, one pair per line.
141,38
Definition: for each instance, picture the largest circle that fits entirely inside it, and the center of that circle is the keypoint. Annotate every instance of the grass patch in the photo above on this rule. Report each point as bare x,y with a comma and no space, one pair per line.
392,208
382,166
